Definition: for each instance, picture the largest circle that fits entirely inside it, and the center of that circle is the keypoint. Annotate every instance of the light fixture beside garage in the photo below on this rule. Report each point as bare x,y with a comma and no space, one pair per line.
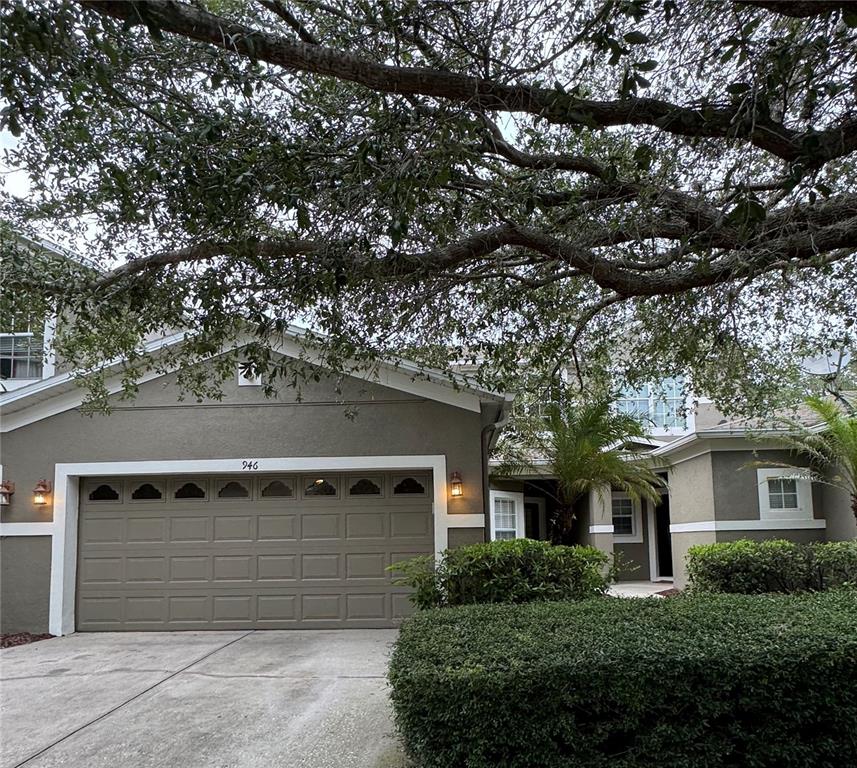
6,491
455,487
41,492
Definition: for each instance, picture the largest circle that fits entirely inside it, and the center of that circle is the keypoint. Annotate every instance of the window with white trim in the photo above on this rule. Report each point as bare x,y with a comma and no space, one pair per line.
782,493
21,356
662,405
507,515
785,494
626,516
505,525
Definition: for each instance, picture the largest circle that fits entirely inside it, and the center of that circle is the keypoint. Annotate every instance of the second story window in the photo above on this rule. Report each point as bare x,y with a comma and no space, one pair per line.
661,406
21,356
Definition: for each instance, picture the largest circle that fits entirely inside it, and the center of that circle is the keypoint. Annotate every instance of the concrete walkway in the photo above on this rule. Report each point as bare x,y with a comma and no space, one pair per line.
302,699
639,588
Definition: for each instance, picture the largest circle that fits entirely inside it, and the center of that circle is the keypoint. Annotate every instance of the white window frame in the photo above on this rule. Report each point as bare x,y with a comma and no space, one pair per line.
636,535
653,399
30,335
803,479
518,500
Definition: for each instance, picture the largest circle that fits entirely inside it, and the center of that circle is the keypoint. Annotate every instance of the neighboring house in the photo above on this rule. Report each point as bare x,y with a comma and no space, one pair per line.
712,492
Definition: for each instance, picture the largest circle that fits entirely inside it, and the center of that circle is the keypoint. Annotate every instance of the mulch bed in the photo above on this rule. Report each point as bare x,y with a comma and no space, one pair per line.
20,638
670,592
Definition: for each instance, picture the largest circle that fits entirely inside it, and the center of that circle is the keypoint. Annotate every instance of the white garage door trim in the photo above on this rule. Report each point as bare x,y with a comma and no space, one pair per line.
67,504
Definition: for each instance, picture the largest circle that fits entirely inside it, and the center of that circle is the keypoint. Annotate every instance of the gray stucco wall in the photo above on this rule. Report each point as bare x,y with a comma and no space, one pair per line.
24,573
841,524
461,537
635,556
681,543
736,485
245,424
691,490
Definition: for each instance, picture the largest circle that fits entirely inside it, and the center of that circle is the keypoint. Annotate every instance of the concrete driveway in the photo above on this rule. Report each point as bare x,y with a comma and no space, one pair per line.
302,699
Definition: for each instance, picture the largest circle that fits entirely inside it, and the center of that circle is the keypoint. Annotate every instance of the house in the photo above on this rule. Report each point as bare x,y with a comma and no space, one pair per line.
286,512
722,480
248,511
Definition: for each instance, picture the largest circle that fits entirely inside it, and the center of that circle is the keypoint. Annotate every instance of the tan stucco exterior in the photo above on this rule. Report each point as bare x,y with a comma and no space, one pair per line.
329,418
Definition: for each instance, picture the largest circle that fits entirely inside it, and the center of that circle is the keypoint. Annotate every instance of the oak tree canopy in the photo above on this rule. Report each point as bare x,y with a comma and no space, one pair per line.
639,187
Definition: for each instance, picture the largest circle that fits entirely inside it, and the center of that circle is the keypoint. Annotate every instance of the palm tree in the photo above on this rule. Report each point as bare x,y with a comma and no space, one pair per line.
832,449
585,447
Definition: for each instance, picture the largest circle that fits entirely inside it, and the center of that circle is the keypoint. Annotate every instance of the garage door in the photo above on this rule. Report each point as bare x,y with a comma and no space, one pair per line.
261,551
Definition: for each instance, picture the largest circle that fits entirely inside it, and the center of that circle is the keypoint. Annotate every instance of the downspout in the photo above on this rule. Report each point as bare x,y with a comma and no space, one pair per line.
487,435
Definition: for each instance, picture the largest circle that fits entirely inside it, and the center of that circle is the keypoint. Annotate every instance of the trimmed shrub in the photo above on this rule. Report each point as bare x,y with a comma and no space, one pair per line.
756,567
513,571
701,681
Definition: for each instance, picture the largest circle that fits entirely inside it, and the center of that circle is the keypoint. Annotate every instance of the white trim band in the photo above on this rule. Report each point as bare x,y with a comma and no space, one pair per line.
26,529
601,529
748,525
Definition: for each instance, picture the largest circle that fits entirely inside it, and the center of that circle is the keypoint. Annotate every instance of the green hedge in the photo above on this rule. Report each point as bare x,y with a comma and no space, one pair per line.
756,567
707,681
513,571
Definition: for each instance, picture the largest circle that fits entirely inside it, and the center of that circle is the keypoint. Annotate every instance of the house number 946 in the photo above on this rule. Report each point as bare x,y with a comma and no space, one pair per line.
249,465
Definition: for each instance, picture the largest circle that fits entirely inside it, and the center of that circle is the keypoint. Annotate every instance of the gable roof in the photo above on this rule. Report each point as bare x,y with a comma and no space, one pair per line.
63,392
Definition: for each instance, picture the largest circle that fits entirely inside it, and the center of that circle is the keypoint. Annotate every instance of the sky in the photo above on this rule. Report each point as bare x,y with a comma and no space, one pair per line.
14,182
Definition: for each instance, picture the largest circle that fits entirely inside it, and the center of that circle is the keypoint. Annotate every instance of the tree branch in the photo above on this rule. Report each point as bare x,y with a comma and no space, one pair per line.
800,9
275,6
732,122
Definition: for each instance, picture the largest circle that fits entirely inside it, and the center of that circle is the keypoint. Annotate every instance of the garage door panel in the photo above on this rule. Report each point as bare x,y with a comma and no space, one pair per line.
366,525
103,610
189,608
402,606
148,610
278,528
320,566
316,525
234,528
277,608
148,570
277,567
371,606
410,525
99,530
246,561
232,608
184,568
366,565
101,570
321,607
146,530
234,568
189,529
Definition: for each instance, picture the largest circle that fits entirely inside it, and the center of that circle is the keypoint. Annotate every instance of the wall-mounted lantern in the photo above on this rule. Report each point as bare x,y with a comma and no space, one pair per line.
6,491
455,487
41,492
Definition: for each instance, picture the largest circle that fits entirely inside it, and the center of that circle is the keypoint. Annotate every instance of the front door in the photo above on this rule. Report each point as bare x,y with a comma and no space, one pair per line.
663,538
532,529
